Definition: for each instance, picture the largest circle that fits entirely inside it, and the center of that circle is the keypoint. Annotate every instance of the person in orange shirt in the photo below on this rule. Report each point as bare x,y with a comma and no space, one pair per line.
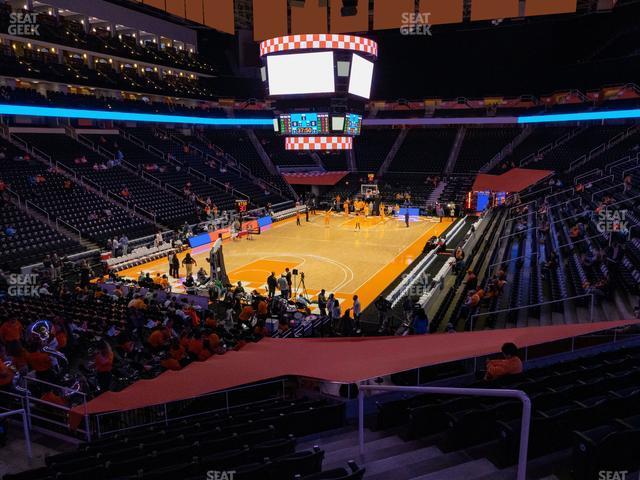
246,313
177,351
40,362
170,363
19,356
214,341
509,365
6,376
210,321
346,208
157,339
51,397
11,331
195,345
327,217
104,365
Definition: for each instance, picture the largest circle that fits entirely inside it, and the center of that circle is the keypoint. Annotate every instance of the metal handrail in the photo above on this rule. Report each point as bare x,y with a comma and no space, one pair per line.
475,392
611,187
590,172
40,153
25,427
156,151
505,310
69,170
29,204
69,227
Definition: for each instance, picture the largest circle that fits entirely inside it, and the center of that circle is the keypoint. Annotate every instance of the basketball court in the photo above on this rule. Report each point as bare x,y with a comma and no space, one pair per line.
335,257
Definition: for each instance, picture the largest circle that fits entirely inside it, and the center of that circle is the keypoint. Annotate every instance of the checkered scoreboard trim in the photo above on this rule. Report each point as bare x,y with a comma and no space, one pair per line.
325,41
318,143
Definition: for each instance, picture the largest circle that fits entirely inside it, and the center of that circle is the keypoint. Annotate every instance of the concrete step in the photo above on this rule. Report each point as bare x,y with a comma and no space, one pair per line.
342,438
380,449
402,460
469,470
407,471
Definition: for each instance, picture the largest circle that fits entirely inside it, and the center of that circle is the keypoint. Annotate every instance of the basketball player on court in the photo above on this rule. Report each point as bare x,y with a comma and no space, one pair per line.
357,220
298,218
327,217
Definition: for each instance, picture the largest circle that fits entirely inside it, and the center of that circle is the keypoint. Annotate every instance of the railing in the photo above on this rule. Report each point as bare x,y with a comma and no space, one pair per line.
67,169
611,187
175,190
48,415
19,141
39,153
533,305
197,173
30,205
117,197
87,180
593,171
150,177
162,414
87,143
475,392
399,291
610,166
68,227
105,153
146,213
25,429
156,151
15,196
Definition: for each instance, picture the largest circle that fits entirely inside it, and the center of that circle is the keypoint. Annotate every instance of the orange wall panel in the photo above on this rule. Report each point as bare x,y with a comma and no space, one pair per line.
176,7
219,14
269,19
490,9
388,14
356,23
548,7
194,10
312,18
155,3
442,12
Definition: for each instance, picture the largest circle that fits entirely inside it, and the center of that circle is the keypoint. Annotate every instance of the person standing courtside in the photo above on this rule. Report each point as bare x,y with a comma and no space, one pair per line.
283,286
322,303
272,284
357,310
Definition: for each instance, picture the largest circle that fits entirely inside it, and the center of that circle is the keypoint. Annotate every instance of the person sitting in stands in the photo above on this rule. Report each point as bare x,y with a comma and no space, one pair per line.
509,365
104,365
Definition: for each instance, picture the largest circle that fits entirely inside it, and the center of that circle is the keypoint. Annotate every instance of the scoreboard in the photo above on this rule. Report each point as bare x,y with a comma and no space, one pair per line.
352,124
241,205
304,124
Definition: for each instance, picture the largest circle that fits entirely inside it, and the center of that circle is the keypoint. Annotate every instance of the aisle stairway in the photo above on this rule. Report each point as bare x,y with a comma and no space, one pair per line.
388,455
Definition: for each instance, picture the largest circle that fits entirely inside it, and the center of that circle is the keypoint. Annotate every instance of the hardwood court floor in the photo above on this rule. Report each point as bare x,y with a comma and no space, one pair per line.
334,257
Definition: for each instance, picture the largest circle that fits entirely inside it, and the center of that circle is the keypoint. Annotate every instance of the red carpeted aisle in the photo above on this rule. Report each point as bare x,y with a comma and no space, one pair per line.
341,360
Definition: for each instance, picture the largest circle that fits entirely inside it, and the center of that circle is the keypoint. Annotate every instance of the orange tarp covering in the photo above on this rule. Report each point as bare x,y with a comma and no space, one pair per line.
345,360
314,178
515,180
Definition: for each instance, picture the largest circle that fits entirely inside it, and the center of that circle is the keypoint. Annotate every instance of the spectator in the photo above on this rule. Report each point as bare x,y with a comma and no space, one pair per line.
509,365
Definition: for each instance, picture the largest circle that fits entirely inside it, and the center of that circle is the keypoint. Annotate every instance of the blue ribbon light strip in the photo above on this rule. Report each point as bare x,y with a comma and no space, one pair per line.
575,117
127,116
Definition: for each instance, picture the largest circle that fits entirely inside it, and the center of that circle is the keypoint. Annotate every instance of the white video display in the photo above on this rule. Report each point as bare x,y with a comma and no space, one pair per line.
301,73
337,123
361,77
